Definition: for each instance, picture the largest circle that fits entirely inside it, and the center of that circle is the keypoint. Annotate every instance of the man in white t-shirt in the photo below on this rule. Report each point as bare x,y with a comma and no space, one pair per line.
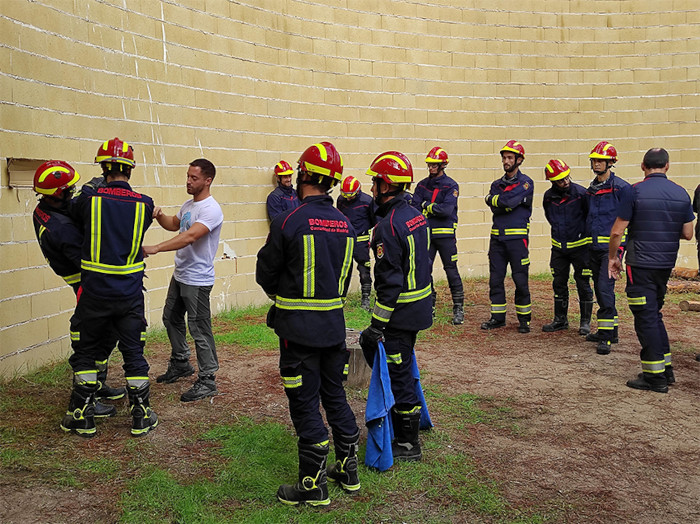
199,222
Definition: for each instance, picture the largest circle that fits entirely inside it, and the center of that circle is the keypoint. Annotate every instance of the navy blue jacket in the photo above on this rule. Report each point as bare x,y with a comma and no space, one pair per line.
437,199
281,199
360,211
60,241
656,209
696,208
510,201
602,210
402,271
114,220
566,212
304,266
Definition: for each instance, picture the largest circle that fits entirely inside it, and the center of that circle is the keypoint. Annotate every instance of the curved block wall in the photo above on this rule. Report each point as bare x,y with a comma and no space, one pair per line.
246,83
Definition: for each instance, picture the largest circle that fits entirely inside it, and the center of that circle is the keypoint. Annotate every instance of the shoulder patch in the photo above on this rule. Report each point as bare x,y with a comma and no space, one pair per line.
380,250
526,185
455,193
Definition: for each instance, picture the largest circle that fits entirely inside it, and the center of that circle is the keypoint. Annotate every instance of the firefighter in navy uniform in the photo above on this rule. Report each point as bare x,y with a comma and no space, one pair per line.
305,268
436,197
658,213
283,197
604,193
566,207
114,219
60,241
510,201
359,208
402,281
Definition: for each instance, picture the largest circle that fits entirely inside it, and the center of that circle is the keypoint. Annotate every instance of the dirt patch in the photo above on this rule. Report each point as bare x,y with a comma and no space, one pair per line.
580,441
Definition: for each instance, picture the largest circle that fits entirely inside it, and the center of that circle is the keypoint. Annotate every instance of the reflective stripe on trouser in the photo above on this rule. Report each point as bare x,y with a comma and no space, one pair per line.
447,247
399,345
313,374
646,289
94,318
192,301
560,263
605,294
502,253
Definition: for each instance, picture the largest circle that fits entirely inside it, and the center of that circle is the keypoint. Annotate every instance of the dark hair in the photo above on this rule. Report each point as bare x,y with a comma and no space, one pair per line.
656,158
207,168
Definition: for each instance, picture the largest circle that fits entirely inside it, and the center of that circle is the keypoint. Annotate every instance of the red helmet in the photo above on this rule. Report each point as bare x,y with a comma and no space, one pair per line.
392,167
556,170
54,177
350,187
322,159
437,155
604,151
514,147
116,151
283,168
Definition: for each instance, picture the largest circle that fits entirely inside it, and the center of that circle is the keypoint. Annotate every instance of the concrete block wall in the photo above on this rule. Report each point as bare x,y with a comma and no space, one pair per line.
246,83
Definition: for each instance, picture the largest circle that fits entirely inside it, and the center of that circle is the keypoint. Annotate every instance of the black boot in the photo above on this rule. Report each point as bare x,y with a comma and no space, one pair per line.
493,323
649,382
364,301
433,297
603,347
344,471
670,377
104,410
561,320
312,488
586,308
523,326
104,392
458,314
144,418
80,415
406,445
176,369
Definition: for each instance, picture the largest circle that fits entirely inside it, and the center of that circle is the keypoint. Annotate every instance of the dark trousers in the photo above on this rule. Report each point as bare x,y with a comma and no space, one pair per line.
399,344
560,263
516,253
447,247
313,374
646,289
361,255
96,320
605,294
194,301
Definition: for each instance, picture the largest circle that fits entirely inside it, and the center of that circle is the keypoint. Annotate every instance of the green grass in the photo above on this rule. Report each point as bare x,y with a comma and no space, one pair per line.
256,457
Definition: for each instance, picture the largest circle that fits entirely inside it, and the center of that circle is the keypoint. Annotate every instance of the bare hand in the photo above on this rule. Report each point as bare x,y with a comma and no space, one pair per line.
149,250
157,212
614,268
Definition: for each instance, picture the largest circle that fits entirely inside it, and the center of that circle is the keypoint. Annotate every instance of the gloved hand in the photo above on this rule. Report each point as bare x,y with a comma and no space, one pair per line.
426,211
369,342
487,199
96,182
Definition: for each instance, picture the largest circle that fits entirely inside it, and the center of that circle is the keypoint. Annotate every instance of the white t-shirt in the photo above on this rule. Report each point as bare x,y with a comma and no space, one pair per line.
194,264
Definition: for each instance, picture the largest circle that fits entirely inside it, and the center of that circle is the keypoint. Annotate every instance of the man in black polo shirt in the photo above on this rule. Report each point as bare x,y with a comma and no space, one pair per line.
657,213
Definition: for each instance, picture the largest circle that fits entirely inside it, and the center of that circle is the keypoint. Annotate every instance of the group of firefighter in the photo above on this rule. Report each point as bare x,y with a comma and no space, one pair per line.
305,268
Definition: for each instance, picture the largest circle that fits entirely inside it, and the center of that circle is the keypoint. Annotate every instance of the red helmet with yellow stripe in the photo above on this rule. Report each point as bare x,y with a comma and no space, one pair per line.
437,155
115,151
392,167
556,170
322,159
350,187
282,168
604,151
514,147
54,177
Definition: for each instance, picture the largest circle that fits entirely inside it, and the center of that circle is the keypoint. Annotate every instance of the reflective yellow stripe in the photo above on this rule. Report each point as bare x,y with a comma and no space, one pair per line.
137,235
42,229
442,231
313,304
75,336
346,369
95,228
382,313
494,231
454,257
429,209
347,264
112,270
600,240
363,238
636,301
494,201
579,243
524,309
498,308
292,382
587,273
524,261
411,277
667,358
309,266
654,366
414,296
394,359
412,410
136,382
556,244
516,231
89,376
72,279
606,323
